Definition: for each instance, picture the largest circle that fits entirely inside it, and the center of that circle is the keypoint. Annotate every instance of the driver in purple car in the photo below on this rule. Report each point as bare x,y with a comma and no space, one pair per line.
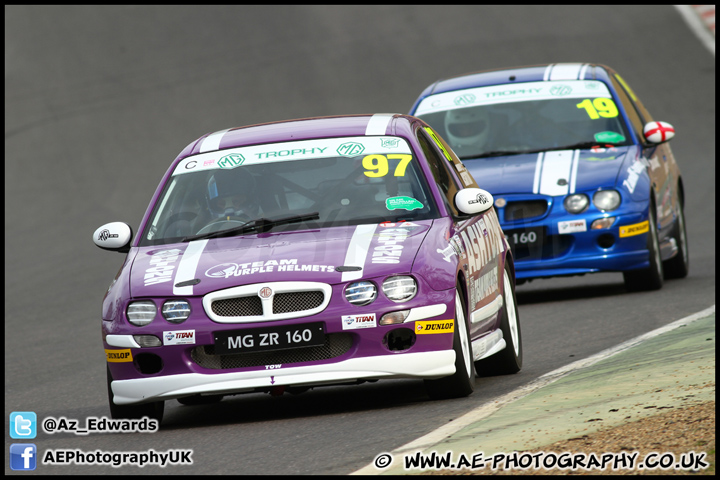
231,193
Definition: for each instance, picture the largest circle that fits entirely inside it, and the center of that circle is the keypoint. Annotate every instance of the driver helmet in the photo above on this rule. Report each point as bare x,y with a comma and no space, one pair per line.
232,193
467,127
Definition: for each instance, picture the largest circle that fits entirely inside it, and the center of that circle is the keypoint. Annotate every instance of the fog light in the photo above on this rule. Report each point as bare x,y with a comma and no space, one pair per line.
602,223
393,318
606,240
399,339
147,340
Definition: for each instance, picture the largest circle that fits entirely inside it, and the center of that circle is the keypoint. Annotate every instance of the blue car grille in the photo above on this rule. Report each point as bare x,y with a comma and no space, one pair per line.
515,211
335,345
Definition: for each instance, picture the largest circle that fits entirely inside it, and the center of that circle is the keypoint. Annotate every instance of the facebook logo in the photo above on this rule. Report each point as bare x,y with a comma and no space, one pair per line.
23,425
23,456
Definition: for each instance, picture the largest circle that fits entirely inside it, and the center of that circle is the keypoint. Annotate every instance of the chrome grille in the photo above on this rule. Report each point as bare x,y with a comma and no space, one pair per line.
335,345
527,209
297,301
287,302
238,307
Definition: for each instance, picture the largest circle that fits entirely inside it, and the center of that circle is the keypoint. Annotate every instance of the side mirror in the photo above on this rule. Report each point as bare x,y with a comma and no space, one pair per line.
472,201
658,132
115,236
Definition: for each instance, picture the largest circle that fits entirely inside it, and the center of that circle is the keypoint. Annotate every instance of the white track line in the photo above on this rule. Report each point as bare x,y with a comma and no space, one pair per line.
696,24
493,405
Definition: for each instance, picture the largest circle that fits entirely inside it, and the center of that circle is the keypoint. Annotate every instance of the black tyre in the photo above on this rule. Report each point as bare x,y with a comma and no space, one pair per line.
650,278
200,399
153,410
508,360
679,265
462,382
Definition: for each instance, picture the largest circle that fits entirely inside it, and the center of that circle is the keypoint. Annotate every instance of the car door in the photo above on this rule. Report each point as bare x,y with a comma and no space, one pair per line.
478,237
659,158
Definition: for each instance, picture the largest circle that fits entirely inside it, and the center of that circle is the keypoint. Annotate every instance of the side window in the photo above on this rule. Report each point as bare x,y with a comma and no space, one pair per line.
441,173
625,94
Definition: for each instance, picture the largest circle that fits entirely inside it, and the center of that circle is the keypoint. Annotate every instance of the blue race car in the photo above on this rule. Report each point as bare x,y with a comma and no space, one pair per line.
583,178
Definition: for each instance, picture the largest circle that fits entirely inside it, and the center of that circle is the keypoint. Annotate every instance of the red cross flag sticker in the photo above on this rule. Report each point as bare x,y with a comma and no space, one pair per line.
658,132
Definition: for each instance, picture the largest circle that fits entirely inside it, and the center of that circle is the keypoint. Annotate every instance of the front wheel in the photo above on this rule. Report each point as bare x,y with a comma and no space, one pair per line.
508,360
650,278
679,265
462,382
153,410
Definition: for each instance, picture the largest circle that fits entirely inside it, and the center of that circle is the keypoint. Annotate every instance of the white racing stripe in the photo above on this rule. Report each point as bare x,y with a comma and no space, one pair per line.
187,267
573,173
565,71
357,251
538,170
212,141
553,167
378,124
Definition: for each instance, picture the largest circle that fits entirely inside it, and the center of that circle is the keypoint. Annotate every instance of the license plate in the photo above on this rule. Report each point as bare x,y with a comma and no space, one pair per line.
526,242
270,338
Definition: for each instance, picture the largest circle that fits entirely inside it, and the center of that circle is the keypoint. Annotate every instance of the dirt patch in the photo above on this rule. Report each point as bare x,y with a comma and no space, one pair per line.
677,431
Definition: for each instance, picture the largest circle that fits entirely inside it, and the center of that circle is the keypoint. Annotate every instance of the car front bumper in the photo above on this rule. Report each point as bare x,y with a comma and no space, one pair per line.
404,365
577,252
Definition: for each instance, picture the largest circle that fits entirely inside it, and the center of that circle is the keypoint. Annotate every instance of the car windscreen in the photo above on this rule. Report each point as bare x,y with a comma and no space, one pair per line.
346,181
526,117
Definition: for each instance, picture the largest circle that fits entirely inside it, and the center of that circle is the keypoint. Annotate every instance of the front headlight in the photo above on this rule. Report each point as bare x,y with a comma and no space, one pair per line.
576,203
176,311
399,289
141,313
606,200
361,293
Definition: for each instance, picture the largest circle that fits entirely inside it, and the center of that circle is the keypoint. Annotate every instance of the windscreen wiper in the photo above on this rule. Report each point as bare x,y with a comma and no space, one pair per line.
260,224
582,146
496,153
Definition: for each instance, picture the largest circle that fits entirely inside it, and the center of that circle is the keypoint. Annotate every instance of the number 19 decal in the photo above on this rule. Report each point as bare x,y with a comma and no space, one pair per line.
599,107
377,165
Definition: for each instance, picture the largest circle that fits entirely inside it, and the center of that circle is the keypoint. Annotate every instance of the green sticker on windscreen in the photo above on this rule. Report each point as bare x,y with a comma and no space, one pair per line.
405,203
609,137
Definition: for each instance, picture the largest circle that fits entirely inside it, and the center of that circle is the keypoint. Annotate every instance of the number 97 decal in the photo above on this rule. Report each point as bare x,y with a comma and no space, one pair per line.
599,107
377,165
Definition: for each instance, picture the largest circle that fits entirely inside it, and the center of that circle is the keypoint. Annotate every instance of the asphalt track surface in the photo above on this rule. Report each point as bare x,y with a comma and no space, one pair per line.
99,100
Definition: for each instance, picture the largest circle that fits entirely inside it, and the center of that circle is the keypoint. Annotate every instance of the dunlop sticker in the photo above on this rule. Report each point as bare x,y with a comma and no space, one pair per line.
636,229
435,326
117,356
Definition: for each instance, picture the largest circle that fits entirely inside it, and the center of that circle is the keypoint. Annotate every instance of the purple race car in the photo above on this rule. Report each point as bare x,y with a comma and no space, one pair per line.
311,252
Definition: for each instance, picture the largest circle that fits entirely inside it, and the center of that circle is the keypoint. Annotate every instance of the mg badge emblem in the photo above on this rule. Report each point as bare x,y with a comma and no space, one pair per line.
560,90
265,292
350,149
231,161
467,99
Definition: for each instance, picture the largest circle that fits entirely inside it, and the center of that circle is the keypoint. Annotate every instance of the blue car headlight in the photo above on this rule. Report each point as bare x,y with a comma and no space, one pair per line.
606,200
576,203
